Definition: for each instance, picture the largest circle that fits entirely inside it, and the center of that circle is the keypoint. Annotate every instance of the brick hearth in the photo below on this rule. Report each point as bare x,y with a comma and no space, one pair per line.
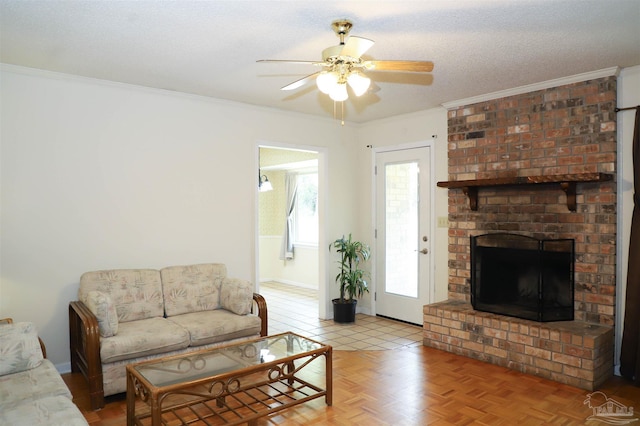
568,129
572,352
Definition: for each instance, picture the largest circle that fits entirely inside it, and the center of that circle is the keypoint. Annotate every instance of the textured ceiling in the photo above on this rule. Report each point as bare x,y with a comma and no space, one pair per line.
210,48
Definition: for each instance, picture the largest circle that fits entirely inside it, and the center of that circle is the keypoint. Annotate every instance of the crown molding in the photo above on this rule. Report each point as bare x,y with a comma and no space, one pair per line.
606,72
55,75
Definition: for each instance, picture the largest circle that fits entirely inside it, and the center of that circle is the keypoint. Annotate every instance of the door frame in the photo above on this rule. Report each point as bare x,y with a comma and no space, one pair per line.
323,180
432,224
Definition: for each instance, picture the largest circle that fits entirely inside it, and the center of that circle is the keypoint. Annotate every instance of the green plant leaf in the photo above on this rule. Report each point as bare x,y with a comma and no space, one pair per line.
351,278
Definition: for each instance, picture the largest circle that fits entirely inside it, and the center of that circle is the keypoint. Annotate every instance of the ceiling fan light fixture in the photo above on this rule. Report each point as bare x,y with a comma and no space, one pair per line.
327,81
339,92
343,65
358,82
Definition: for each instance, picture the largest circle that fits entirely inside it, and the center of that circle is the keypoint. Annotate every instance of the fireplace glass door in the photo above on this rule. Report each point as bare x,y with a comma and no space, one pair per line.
523,277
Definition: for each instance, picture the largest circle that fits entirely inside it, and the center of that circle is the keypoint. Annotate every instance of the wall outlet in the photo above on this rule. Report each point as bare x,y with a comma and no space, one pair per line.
443,222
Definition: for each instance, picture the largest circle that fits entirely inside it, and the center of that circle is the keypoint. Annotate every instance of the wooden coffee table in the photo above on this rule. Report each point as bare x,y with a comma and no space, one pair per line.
234,384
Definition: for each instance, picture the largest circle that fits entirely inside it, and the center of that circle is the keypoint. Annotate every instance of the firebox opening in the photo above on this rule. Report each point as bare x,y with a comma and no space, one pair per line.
523,277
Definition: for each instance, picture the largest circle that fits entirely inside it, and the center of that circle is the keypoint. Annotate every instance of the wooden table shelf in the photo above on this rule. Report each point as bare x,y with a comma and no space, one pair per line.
566,182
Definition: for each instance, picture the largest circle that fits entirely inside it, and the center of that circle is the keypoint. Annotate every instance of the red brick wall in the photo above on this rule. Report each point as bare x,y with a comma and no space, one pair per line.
563,130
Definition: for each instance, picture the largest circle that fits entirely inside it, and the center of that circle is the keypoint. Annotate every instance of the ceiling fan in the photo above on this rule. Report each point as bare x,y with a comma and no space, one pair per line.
343,65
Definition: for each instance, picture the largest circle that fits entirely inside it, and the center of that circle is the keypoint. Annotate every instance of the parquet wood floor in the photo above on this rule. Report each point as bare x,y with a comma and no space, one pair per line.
419,386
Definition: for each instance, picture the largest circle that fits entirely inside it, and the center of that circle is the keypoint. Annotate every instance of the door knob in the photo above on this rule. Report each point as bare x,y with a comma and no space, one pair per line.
424,251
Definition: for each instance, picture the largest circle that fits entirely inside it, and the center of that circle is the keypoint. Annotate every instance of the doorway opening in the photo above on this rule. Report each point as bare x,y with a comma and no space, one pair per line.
290,221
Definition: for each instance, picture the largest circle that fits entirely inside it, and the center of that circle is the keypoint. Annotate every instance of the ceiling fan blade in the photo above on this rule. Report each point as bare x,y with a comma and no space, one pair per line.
356,46
404,66
286,61
301,82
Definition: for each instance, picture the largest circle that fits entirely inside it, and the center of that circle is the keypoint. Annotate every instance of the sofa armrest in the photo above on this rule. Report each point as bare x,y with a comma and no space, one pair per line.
260,304
84,344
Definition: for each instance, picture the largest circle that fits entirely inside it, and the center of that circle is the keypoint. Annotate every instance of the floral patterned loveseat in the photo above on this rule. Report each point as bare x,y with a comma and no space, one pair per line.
130,315
32,391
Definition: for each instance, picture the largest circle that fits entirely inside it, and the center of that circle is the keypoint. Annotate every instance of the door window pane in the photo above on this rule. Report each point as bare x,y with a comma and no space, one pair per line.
401,214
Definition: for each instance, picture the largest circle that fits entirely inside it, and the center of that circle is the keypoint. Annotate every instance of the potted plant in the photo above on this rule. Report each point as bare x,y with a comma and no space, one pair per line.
351,278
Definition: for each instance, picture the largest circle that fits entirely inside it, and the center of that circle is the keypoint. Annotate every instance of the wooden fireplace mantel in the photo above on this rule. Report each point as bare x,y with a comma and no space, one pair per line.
566,182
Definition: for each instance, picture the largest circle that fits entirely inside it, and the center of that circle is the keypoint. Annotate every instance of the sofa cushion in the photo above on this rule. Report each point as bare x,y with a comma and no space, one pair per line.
114,373
19,348
105,311
192,288
144,337
236,295
216,326
136,293
30,385
52,410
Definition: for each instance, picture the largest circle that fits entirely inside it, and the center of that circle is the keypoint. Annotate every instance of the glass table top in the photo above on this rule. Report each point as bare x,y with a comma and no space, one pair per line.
216,361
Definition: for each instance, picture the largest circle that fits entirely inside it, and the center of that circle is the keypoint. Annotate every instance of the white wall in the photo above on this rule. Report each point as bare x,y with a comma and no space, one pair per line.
403,130
301,271
97,175
628,96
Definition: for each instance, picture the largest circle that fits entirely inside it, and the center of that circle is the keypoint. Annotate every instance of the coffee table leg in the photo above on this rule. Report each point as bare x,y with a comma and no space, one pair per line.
156,413
329,372
131,401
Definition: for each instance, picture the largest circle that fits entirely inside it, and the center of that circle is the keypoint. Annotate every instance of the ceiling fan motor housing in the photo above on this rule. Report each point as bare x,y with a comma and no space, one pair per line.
330,53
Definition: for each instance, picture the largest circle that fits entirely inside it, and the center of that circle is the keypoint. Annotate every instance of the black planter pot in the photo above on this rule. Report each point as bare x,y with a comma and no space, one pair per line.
344,311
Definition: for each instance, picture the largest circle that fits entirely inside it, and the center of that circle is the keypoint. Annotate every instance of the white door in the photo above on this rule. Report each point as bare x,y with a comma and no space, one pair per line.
403,243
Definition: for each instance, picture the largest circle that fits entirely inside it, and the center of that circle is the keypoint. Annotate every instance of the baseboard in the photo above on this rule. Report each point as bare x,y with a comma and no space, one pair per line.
63,368
365,310
292,283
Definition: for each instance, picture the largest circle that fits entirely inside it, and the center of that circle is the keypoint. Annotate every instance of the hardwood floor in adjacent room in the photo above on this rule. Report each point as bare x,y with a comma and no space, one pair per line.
408,385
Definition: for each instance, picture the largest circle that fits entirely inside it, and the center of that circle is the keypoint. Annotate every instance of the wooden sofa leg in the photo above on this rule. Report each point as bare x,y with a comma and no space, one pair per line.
96,393
97,401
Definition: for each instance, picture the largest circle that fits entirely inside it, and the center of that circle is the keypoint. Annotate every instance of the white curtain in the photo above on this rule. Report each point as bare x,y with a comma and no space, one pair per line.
291,191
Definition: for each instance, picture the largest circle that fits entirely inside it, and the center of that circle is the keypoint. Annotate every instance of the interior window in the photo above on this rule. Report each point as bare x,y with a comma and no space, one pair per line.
306,210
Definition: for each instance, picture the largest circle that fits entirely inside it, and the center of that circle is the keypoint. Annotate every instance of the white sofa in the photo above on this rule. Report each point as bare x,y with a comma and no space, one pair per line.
129,315
32,391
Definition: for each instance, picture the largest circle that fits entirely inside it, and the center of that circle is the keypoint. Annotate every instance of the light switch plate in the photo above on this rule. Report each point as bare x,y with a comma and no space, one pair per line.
443,222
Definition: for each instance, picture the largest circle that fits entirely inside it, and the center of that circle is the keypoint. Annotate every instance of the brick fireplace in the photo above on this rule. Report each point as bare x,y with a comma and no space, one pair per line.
567,132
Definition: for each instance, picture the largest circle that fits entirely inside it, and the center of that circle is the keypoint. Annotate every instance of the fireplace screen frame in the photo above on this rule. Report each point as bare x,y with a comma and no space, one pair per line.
523,277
